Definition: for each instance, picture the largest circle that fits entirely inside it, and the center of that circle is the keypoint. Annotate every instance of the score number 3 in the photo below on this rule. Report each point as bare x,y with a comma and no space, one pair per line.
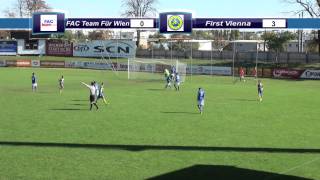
274,23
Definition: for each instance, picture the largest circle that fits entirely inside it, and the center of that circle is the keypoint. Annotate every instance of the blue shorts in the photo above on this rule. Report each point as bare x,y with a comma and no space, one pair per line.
101,95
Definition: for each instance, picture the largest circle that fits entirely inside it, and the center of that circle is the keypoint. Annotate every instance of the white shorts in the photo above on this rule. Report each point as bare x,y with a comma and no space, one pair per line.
178,83
201,103
34,85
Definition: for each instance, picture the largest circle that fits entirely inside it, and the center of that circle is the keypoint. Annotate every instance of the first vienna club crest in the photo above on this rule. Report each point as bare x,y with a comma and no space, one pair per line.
175,23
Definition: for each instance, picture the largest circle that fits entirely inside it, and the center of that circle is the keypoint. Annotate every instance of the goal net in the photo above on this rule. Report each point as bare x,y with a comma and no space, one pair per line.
153,69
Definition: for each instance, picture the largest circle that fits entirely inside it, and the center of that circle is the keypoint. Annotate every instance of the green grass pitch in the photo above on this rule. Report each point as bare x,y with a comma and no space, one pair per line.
147,132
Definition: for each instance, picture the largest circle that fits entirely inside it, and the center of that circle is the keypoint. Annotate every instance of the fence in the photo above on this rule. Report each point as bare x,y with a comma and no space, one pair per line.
282,73
267,57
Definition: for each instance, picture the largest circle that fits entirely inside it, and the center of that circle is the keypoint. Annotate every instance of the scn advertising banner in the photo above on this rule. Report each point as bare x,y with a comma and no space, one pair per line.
106,49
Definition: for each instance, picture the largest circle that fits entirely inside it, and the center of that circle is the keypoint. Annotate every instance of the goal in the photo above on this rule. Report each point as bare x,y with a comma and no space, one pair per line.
153,69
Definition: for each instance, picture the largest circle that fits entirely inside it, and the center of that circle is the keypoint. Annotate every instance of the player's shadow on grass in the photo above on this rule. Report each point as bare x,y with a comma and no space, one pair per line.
67,109
178,112
79,100
160,147
212,172
244,100
156,89
77,104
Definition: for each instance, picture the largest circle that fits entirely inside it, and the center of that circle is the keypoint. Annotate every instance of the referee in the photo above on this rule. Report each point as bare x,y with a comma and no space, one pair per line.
93,95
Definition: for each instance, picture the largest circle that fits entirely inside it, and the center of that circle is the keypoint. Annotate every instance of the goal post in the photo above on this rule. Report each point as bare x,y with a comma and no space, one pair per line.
181,68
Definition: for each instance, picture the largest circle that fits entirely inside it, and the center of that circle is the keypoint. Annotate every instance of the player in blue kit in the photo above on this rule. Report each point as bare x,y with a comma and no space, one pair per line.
177,82
173,70
34,82
260,90
200,99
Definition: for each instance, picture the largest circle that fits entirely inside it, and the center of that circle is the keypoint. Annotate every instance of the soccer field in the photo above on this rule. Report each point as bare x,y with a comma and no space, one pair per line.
147,132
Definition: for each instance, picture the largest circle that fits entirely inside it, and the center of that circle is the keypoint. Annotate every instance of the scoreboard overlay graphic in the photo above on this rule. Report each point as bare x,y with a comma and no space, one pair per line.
48,23
168,22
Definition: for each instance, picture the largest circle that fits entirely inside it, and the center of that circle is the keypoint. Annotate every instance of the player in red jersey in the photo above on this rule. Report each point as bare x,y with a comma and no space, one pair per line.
241,74
255,73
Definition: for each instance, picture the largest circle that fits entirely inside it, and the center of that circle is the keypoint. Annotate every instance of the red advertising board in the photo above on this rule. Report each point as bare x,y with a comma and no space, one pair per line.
59,48
19,63
53,64
287,73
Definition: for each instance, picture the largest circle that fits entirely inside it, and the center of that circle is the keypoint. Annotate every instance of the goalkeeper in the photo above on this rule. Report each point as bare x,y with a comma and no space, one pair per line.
169,78
166,73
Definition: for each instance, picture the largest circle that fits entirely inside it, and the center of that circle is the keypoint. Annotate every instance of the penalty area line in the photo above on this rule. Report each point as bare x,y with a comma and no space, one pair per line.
294,168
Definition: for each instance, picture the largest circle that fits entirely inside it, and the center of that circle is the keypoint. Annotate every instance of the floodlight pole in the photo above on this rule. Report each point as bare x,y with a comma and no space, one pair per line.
257,56
191,53
233,56
128,65
171,52
152,43
117,50
211,57
128,69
